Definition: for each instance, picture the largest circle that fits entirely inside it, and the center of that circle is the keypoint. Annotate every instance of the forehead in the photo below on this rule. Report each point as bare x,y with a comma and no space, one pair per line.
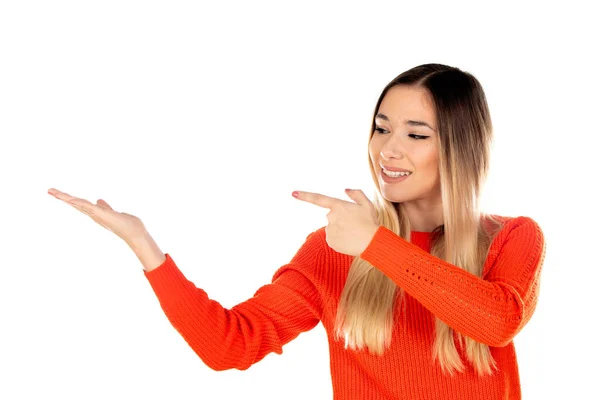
403,102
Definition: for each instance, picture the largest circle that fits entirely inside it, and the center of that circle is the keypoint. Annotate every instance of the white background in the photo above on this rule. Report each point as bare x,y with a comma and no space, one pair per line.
201,119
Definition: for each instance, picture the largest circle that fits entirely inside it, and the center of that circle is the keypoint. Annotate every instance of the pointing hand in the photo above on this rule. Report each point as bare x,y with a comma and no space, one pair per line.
352,225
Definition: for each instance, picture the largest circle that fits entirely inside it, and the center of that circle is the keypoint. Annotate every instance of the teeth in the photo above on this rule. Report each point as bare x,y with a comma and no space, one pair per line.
395,174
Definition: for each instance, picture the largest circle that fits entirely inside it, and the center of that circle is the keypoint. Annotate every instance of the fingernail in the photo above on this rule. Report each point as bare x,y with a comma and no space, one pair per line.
295,194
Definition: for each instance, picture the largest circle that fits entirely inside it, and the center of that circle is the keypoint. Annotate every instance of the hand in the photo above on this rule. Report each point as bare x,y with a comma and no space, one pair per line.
128,227
351,225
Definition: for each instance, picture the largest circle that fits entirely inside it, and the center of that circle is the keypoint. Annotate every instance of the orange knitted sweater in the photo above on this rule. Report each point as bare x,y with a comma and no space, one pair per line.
306,291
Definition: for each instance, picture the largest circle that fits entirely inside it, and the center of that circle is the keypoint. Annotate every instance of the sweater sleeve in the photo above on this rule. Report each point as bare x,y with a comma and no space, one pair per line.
243,335
491,309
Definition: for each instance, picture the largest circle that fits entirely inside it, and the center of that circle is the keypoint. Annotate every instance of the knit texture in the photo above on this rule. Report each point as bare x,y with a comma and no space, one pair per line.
306,291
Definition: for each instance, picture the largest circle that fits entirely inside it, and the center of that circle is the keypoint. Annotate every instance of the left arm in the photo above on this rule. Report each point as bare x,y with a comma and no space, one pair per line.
490,310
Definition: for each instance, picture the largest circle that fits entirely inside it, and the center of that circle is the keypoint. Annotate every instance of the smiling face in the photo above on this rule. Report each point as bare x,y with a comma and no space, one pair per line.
405,137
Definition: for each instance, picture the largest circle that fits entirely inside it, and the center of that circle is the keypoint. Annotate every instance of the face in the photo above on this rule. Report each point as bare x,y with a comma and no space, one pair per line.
405,137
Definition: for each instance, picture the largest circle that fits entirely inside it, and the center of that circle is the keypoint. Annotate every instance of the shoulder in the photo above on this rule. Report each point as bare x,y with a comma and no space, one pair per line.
308,256
518,237
318,235
514,227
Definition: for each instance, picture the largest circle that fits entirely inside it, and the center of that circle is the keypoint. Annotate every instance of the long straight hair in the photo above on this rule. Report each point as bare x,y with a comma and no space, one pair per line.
365,315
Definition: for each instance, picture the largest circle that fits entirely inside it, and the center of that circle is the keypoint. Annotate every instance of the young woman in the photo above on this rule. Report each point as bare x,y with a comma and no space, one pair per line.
421,293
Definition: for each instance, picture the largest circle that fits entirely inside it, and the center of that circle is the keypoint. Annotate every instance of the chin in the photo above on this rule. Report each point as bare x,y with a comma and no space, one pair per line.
394,198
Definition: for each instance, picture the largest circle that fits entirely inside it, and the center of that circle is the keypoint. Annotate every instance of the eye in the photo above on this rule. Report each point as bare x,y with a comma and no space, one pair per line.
418,137
411,135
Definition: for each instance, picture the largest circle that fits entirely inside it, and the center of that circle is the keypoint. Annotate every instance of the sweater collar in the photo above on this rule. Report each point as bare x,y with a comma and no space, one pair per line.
421,239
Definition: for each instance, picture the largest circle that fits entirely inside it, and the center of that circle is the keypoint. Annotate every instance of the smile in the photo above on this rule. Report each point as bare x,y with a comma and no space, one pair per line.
389,179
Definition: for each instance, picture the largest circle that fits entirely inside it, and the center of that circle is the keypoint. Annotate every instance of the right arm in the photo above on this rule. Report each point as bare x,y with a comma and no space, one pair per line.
222,338
243,335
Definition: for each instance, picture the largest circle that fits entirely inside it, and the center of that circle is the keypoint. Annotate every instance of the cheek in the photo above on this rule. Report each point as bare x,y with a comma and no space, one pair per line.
427,158
373,150
433,167
432,163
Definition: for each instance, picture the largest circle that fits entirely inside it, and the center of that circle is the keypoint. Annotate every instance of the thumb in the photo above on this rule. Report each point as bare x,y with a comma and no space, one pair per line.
103,204
358,196
361,199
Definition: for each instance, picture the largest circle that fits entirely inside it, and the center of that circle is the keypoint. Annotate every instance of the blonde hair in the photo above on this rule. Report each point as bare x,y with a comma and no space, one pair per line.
365,315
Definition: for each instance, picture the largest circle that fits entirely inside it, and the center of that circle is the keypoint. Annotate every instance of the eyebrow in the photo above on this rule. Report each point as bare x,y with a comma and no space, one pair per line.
407,121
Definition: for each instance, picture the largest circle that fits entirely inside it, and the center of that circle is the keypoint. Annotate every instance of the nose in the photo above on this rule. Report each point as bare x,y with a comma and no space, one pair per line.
392,149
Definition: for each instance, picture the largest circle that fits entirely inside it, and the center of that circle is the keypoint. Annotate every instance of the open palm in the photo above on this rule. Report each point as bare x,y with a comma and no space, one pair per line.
126,226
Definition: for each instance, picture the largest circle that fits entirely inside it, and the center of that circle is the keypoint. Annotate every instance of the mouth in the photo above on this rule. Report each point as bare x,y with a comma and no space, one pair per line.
394,178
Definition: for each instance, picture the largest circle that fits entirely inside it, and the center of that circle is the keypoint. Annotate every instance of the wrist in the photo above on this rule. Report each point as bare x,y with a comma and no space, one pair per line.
139,240
147,251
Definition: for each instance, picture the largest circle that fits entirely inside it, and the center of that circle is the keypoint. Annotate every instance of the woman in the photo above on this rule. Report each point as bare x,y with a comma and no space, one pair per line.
420,292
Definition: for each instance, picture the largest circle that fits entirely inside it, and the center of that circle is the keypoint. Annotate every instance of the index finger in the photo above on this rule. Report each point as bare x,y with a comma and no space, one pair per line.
318,199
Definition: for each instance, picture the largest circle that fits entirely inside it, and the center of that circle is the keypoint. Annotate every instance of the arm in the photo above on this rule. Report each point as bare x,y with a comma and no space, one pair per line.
492,309
246,333
148,252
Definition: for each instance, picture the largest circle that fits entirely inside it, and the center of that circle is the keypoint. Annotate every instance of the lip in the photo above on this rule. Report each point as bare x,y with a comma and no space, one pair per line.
394,169
388,179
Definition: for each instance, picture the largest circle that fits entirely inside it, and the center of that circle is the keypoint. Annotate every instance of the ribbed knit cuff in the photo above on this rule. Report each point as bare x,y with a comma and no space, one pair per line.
379,249
408,265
